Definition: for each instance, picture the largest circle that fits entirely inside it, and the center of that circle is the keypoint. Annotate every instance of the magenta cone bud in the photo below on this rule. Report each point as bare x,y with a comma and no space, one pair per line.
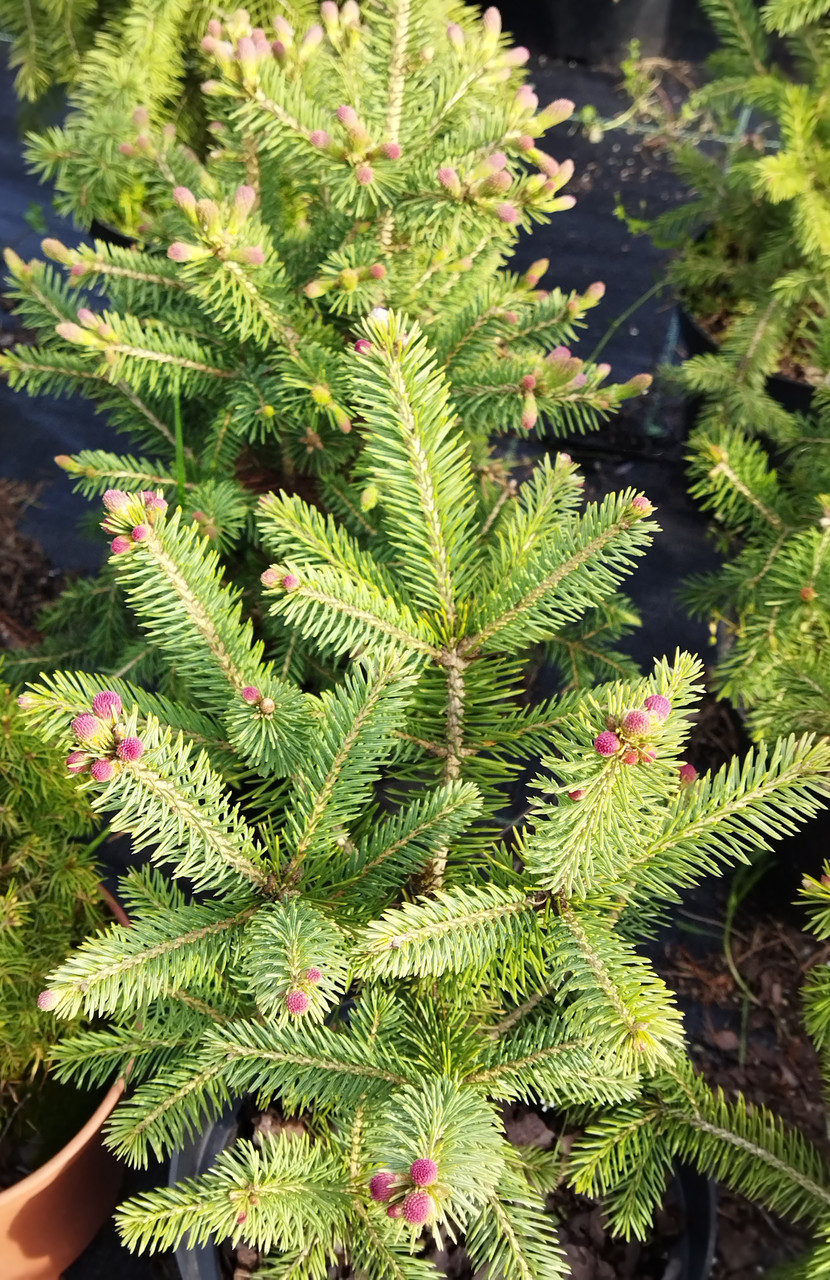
86,726
558,355
391,150
312,37
516,57
284,29
279,49
377,271
47,1000
526,142
417,1208
152,501
251,694
423,1172
631,757
394,1211
687,774
77,761
499,181
566,459
658,705
270,578
242,1217
252,255
607,743
119,545
116,499
497,161
126,149
455,36
87,317
140,532
511,317
603,370
507,212
576,795
77,269
214,28
556,112
329,11
448,177
319,138
181,252
106,704
636,722
130,749
313,975
297,1002
364,174
526,99
185,199
641,502
381,1185
290,581
347,116
528,382
102,770
546,163
362,346
579,380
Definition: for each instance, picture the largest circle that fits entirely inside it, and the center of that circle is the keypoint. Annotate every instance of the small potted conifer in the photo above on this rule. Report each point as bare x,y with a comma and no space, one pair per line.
53,1168
369,946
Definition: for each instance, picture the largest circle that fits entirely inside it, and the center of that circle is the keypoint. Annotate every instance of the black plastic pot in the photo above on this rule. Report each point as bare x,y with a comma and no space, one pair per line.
796,397
695,1196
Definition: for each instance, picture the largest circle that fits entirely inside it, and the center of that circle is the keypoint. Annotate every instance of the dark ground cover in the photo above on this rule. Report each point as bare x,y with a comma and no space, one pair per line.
752,1042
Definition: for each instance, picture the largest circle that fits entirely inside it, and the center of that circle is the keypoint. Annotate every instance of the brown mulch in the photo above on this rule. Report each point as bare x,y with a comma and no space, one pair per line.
28,579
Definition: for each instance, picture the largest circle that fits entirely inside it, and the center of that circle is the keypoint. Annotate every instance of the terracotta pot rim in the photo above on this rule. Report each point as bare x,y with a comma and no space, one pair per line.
42,1176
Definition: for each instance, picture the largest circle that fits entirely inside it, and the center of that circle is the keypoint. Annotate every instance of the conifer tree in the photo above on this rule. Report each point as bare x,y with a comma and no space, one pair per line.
386,157
373,957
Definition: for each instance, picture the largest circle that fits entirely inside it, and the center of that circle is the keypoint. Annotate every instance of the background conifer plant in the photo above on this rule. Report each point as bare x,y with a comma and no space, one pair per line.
49,899
769,604
375,958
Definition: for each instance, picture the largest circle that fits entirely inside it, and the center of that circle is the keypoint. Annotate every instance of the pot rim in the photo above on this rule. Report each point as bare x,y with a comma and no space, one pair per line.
46,1173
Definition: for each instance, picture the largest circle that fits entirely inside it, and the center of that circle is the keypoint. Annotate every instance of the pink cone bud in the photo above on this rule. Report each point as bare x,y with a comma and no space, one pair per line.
152,501
284,29
640,382
185,199
290,582
391,150
576,795
364,174
500,181
641,503
603,370
25,700
126,149
526,99
362,346
314,289
312,38
507,212
106,704
607,743
140,532
449,179
243,201
250,693
377,271
87,318
313,975
491,21
530,413
270,578
86,726
252,255
423,1172
130,749
77,761
297,1002
579,380
526,143
496,161
558,355
116,499
687,774
394,1211
565,459
347,116
181,252
528,382
511,317
647,757
242,1217
77,269
102,770
47,1000
556,112
417,1208
636,722
319,138
381,1185
631,757
658,705
214,28
516,57
329,11
455,36
119,545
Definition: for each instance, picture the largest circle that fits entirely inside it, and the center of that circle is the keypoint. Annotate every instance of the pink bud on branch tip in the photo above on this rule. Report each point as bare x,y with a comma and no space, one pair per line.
424,1172
417,1208
102,770
106,704
297,1003
251,694
381,1185
47,1000
607,743
658,705
130,749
